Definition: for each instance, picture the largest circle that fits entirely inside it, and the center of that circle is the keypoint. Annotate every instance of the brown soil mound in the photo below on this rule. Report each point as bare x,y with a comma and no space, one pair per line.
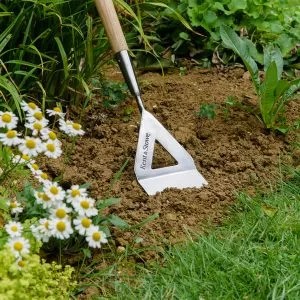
233,152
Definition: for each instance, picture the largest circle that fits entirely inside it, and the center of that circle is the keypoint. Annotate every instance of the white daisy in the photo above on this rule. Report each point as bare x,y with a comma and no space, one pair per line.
47,134
36,116
41,231
85,207
42,177
37,126
75,192
60,211
22,159
31,146
82,224
15,207
60,228
70,128
19,246
10,138
14,229
43,199
20,263
54,191
8,120
52,149
34,168
56,111
30,108
95,237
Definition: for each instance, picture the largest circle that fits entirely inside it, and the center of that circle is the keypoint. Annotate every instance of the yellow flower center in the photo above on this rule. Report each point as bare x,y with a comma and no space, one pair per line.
37,126
61,226
44,176
61,213
45,197
96,236
75,193
85,204
46,224
30,144
85,222
54,190
25,156
32,105
6,118
21,263
13,204
52,135
76,126
18,246
38,115
35,167
10,134
57,109
14,228
51,147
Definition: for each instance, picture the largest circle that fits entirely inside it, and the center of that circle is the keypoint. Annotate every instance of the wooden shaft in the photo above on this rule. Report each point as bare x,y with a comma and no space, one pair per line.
112,25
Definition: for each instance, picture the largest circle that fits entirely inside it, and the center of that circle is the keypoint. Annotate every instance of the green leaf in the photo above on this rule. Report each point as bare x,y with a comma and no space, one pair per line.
235,5
117,221
107,202
3,205
273,55
232,41
267,94
87,252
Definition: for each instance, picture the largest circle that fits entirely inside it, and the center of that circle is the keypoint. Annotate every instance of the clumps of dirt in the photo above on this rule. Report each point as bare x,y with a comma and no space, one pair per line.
233,152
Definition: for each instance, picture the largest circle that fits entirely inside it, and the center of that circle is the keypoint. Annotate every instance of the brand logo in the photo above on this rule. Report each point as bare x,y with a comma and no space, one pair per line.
145,152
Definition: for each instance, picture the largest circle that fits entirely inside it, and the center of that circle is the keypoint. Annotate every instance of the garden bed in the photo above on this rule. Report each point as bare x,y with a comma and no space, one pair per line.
233,152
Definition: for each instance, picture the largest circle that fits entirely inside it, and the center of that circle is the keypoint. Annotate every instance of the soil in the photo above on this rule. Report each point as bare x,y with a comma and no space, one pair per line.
232,151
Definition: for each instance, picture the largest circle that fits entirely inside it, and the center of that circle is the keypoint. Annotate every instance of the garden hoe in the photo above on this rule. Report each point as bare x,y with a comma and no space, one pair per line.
182,175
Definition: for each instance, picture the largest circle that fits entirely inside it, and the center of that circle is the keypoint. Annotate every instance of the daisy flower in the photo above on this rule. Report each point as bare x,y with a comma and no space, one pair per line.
52,149
60,211
14,229
85,207
30,108
41,231
54,191
8,120
10,138
37,126
22,159
42,177
35,116
31,146
34,168
43,199
82,224
95,237
70,128
19,245
47,134
75,192
20,263
56,111
60,228
15,207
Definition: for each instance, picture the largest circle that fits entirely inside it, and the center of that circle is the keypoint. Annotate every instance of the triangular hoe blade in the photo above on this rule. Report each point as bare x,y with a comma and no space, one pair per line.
182,175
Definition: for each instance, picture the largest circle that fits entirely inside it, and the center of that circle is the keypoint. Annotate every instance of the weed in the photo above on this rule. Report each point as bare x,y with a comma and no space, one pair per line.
207,111
273,92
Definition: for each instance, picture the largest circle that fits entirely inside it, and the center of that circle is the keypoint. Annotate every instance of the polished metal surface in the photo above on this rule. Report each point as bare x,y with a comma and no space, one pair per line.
182,175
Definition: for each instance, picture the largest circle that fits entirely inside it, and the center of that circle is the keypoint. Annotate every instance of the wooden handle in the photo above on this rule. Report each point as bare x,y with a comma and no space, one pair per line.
112,25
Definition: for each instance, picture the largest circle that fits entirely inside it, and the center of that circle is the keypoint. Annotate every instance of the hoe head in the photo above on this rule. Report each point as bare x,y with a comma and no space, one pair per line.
182,175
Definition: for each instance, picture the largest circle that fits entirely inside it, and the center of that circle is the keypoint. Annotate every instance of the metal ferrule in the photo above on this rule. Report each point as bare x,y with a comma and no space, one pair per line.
126,67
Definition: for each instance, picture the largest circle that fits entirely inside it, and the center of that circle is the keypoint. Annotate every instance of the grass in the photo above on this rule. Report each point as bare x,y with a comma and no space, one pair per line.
255,254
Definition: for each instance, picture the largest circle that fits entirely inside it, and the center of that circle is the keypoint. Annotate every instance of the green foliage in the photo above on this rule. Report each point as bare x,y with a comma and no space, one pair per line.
113,93
52,48
254,255
37,280
273,92
207,111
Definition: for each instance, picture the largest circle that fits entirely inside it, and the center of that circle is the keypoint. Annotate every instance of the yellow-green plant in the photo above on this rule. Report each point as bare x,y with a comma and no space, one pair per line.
273,92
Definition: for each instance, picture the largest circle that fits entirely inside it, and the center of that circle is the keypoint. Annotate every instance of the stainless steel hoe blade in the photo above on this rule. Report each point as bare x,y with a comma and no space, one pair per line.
184,174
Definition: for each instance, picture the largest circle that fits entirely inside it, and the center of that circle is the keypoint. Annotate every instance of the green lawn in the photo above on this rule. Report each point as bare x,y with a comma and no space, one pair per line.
254,255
